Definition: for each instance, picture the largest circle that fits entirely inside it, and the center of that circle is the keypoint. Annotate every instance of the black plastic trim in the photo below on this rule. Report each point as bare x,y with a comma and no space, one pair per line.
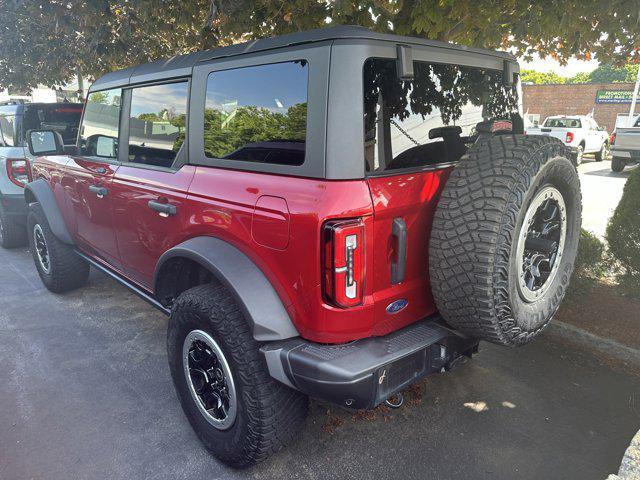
42,193
364,373
254,293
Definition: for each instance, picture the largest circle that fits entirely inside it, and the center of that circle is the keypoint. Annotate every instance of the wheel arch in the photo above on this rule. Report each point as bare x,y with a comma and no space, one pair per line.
39,191
202,259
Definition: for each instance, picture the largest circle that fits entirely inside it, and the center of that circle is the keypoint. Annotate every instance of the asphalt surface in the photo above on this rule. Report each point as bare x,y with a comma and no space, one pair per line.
601,193
85,392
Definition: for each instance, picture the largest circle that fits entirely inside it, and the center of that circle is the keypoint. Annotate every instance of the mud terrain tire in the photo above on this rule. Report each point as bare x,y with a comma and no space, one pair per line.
63,270
477,236
267,414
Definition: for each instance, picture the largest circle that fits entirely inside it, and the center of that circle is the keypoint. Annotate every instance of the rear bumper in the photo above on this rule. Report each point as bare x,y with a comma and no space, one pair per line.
625,153
364,373
14,206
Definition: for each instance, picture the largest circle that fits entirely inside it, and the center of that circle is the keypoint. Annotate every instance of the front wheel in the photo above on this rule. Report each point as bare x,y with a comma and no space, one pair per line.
59,267
238,411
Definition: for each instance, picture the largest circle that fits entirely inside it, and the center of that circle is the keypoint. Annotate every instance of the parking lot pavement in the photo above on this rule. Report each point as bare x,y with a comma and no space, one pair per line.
601,193
85,393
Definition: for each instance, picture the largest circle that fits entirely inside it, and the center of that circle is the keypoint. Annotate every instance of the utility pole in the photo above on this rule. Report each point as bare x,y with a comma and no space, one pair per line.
634,100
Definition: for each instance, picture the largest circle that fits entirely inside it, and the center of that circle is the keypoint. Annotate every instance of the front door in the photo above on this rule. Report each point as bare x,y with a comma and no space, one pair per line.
89,174
150,187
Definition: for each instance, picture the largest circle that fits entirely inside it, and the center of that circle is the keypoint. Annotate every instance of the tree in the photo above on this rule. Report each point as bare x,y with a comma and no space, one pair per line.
47,41
541,78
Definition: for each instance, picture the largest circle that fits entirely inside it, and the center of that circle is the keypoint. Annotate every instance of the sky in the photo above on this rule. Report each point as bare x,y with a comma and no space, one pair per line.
573,67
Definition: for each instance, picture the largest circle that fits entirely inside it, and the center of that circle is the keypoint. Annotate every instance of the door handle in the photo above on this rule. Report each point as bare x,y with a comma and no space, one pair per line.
164,209
399,230
100,192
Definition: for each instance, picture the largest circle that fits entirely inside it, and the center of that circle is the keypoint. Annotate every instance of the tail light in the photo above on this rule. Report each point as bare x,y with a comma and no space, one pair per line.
612,138
344,262
18,171
569,137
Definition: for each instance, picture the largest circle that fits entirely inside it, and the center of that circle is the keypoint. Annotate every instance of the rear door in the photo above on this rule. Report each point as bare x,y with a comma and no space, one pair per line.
415,133
150,187
89,174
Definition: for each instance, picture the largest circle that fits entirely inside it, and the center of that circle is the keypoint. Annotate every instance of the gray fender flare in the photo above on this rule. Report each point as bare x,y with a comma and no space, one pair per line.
40,191
254,293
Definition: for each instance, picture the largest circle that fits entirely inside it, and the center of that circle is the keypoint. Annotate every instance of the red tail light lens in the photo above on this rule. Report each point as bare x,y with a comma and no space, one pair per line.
569,137
18,171
344,262
612,138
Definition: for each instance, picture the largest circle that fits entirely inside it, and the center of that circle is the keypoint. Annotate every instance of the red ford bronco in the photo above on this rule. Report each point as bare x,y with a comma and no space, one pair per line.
335,213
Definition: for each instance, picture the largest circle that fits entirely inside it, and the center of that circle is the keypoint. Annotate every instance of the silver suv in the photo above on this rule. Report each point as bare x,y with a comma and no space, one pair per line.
16,118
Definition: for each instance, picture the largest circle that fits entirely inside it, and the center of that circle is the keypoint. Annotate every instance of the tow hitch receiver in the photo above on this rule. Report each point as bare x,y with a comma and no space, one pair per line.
365,373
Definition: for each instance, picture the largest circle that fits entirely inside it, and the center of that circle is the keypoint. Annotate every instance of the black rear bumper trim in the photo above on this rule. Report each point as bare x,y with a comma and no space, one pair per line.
364,373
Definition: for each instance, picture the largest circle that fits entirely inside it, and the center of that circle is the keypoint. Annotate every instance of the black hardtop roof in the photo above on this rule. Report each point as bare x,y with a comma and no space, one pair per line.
181,65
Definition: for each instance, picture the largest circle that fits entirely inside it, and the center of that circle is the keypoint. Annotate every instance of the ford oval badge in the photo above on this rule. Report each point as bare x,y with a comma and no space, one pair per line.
395,307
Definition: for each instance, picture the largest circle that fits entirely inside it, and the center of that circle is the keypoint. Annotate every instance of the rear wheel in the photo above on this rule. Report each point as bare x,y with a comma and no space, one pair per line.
11,233
505,237
617,164
59,267
603,153
579,154
238,411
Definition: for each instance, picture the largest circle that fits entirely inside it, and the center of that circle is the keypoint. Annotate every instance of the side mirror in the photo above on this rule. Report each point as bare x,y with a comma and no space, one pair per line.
45,142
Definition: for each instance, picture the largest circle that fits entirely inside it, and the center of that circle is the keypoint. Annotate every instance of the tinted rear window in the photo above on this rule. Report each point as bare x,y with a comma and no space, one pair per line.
434,117
62,118
257,114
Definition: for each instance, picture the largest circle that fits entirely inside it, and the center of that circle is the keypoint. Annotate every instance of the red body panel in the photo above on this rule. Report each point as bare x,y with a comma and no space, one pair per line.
142,234
412,197
275,220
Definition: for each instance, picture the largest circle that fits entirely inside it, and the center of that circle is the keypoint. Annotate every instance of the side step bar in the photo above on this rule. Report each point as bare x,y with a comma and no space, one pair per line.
123,281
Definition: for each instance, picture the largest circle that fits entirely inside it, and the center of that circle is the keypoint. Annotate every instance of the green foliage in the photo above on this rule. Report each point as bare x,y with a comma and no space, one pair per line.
541,78
591,261
47,41
602,74
225,133
623,231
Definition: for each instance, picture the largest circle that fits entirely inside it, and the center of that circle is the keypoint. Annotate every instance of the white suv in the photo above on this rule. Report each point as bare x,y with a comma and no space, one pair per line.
579,132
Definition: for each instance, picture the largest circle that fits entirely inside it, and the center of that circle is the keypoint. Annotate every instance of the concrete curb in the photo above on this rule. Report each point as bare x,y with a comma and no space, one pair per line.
604,345
630,468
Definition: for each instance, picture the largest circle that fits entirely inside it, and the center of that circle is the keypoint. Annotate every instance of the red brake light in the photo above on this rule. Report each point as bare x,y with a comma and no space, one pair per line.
344,262
18,171
569,137
612,138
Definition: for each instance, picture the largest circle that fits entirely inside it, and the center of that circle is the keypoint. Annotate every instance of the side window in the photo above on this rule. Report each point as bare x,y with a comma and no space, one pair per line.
158,124
258,114
431,119
99,130
7,131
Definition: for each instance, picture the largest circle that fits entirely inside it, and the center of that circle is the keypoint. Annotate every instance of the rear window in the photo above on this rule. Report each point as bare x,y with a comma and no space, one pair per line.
563,123
257,114
433,118
8,131
64,119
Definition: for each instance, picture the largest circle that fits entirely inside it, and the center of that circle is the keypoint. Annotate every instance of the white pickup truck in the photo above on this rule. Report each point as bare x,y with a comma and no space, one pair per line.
625,146
579,132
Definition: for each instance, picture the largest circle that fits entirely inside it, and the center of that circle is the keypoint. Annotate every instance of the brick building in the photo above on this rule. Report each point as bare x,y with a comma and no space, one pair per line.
578,99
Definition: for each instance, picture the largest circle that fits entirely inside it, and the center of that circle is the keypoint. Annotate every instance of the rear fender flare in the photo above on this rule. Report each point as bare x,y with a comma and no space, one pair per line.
40,191
254,293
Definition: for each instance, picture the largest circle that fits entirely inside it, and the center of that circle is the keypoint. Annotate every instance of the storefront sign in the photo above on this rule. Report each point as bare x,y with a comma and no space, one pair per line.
614,96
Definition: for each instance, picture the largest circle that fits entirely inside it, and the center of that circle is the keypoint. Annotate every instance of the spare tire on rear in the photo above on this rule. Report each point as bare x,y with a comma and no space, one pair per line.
505,237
